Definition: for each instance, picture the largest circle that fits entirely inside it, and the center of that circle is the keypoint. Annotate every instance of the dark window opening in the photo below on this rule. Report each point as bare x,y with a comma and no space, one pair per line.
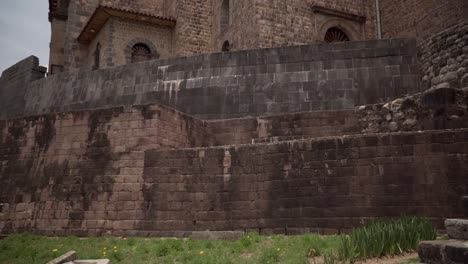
140,52
335,35
225,19
97,57
226,46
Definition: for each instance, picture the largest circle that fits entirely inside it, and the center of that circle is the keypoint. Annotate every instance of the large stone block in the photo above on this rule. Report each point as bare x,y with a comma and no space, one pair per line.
457,228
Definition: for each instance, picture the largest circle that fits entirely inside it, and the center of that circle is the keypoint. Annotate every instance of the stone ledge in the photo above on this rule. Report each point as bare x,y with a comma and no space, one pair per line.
67,257
443,251
457,228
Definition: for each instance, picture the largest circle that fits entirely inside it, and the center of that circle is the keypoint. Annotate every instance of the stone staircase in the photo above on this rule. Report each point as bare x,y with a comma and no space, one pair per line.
452,251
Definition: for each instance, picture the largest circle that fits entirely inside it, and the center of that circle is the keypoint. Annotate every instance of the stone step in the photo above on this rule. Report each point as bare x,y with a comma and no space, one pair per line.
457,228
443,252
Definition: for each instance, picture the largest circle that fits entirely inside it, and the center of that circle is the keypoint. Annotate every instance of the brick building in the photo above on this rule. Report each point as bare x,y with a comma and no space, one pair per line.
105,33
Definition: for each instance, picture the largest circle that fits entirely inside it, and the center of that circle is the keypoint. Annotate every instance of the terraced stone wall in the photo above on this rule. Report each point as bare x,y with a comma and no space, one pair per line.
236,84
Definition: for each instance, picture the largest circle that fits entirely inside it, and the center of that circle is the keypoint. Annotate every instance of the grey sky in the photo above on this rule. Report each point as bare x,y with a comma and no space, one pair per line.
24,31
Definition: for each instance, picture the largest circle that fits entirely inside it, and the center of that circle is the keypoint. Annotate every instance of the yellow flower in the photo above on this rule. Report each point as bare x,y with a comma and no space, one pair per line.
104,248
278,249
115,250
115,247
54,250
202,252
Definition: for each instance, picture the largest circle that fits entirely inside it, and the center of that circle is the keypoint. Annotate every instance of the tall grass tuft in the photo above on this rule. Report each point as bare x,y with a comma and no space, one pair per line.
383,238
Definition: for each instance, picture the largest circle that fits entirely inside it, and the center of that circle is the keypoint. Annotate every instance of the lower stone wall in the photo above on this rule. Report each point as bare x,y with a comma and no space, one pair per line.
72,173
134,172
307,185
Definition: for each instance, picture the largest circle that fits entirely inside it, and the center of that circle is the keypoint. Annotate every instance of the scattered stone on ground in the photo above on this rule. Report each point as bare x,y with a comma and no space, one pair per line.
71,258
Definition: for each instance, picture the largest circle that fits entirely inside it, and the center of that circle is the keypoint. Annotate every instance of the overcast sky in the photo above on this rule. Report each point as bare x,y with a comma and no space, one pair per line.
24,31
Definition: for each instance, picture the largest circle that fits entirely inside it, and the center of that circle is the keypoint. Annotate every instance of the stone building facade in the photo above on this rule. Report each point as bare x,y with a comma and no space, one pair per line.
103,33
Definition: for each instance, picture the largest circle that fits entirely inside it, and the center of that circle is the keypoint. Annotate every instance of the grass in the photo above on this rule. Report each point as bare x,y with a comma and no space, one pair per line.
376,240
252,248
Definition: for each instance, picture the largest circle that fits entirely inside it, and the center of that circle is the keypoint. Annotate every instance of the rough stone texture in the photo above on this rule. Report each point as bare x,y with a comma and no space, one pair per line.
444,58
65,258
236,84
457,228
420,19
443,252
436,108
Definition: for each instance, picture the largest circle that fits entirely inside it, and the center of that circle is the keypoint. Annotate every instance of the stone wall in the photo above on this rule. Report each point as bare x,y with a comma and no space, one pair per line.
444,58
14,83
87,173
282,23
73,173
126,32
281,127
309,185
420,19
236,84
436,108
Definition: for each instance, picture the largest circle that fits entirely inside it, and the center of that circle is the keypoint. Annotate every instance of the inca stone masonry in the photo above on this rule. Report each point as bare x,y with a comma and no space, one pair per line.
171,118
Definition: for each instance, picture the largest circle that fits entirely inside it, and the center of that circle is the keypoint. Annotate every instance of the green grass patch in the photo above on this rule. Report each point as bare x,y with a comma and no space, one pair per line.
252,248
377,239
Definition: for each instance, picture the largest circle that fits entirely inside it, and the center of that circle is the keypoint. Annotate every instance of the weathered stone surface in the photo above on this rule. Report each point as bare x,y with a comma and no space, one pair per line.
443,252
457,228
67,257
441,60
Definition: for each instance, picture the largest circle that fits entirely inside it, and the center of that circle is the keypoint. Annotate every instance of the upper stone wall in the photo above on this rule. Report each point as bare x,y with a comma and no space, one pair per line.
236,84
14,84
420,18
444,58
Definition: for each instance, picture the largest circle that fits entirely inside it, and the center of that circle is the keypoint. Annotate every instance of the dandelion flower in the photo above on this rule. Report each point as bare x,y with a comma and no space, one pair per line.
202,252
115,247
54,250
278,249
104,248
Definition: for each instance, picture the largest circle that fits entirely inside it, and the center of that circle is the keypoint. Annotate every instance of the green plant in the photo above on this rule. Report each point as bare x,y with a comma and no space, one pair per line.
382,238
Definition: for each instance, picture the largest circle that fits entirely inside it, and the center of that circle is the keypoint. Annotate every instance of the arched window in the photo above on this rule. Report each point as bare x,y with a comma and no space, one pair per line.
225,16
226,46
97,57
140,52
335,35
